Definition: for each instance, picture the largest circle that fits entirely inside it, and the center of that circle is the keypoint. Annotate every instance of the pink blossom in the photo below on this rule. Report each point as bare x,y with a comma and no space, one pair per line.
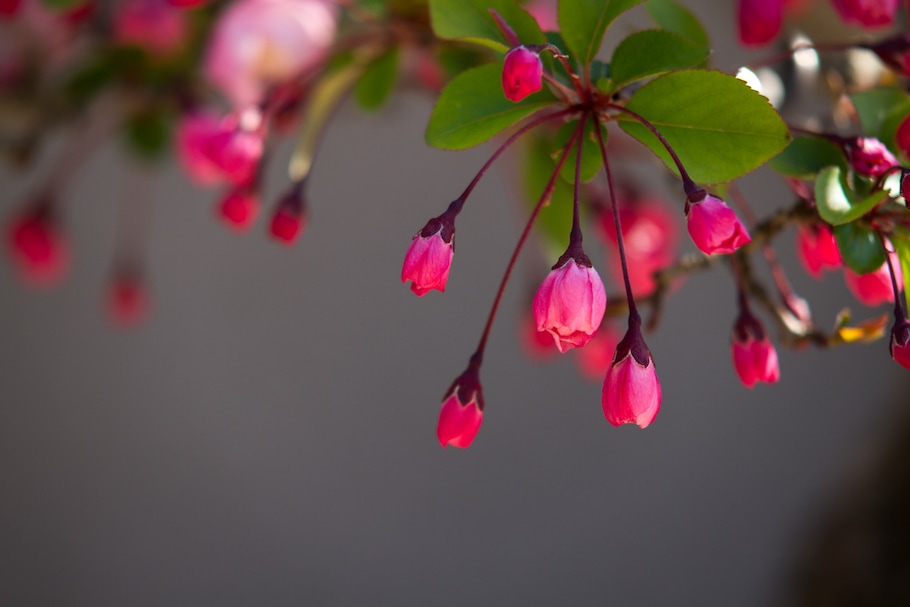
817,249
288,221
37,247
870,157
759,21
462,411
570,303
545,13
900,342
522,73
631,391
151,24
754,356
875,287
866,13
257,44
239,208
194,132
714,227
429,258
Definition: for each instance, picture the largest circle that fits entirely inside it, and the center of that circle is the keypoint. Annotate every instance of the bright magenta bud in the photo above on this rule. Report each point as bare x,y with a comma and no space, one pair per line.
570,303
875,287
289,220
817,249
236,152
631,391
900,342
866,13
127,300
759,21
522,73
37,247
193,133
714,227
462,410
239,208
869,157
754,356
429,258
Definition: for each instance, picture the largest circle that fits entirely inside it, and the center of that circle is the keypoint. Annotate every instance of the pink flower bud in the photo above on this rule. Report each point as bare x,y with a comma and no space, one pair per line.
462,411
522,73
127,300
631,391
866,13
869,157
754,356
37,247
817,249
427,262
257,44
570,303
236,152
213,149
714,227
239,208
759,21
900,342
875,287
289,221
151,24
192,142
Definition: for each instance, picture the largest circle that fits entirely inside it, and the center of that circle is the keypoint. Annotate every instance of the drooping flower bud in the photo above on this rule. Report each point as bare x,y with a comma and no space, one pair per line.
817,249
570,303
874,288
37,247
194,130
900,342
236,152
127,299
714,227
522,73
239,208
759,21
429,258
866,13
213,149
754,356
289,219
869,157
462,410
631,392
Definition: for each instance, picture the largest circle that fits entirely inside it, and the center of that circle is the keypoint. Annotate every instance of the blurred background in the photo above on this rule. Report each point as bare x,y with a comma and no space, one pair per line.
267,436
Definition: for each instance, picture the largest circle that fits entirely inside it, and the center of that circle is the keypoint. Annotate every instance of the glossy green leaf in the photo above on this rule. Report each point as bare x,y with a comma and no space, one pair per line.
859,247
836,203
470,20
652,52
555,220
806,156
584,22
378,80
472,108
591,158
674,17
901,242
875,106
719,127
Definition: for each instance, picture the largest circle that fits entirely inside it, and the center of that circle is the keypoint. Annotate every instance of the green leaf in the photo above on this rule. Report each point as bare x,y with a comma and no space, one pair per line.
901,242
555,220
719,127
875,106
470,20
472,108
378,80
652,52
148,133
63,4
860,248
591,158
806,156
584,22
836,203
673,16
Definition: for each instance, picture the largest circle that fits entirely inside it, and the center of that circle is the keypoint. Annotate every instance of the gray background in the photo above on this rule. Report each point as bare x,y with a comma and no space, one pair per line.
268,436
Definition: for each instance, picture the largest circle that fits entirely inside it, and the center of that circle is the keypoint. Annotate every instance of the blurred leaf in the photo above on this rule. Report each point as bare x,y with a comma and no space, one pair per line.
591,158
866,331
806,156
860,247
652,52
836,203
148,133
555,220
378,81
719,127
876,106
584,22
470,20
63,4
674,17
901,241
472,109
